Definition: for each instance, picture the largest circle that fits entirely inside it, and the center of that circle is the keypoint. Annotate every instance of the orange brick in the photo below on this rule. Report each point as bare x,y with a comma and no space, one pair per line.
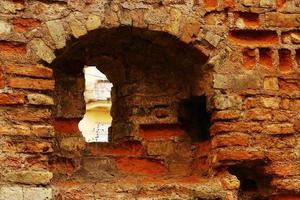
249,59
253,38
298,57
225,115
202,149
67,127
29,70
7,48
265,57
210,4
286,169
249,19
24,146
280,3
285,197
10,99
61,165
22,25
238,155
140,166
29,83
229,3
246,127
285,60
29,115
230,140
289,86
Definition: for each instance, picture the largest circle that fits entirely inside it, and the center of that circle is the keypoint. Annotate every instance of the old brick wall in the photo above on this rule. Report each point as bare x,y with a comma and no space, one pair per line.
239,59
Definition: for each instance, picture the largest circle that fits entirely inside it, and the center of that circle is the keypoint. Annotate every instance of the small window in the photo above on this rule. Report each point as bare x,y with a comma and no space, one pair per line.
97,119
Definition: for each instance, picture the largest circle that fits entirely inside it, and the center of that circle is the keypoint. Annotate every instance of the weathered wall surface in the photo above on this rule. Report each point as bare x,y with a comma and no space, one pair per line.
168,60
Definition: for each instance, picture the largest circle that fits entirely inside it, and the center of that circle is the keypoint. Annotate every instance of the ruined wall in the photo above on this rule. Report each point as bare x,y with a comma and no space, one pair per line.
236,62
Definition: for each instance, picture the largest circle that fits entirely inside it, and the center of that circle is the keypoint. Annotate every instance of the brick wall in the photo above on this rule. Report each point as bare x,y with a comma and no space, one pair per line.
241,56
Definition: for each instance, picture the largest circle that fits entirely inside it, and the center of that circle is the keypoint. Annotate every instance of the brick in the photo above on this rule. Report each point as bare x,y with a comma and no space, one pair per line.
10,49
2,84
247,19
42,130
285,197
286,169
29,177
140,166
289,86
210,4
37,193
230,140
202,149
61,165
28,115
271,102
249,59
267,3
279,129
266,57
29,70
253,38
99,167
72,144
258,114
245,127
237,155
225,115
271,83
12,129
229,3
132,148
276,19
294,105
22,25
12,99
29,83
28,146
162,131
285,61
67,127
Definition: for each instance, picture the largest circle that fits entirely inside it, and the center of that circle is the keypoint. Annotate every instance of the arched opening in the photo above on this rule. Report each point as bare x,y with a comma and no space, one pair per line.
151,72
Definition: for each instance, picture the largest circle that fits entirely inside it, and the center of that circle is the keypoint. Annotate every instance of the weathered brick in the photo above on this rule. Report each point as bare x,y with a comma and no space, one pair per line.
285,197
67,127
280,3
253,38
210,4
10,49
238,155
222,102
29,83
140,166
278,129
40,99
11,99
11,193
249,59
225,115
164,131
24,24
72,144
258,114
28,146
61,165
245,127
284,169
266,57
271,83
246,19
230,140
271,102
276,19
29,115
29,70
285,60
289,86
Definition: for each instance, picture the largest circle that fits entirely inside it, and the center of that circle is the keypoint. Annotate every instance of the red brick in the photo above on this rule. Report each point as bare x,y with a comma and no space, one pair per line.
29,115
230,140
9,49
280,3
265,57
29,70
11,99
24,146
36,162
201,165
225,115
249,19
132,148
161,131
202,149
279,129
29,83
229,3
238,155
285,169
22,25
140,166
210,4
249,59
258,114
285,197
285,60
67,127
253,38
289,86
2,84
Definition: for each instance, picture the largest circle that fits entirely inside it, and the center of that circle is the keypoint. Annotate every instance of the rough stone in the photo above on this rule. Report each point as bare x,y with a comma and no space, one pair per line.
42,50
5,28
40,99
37,193
29,177
78,29
223,102
271,83
93,22
57,33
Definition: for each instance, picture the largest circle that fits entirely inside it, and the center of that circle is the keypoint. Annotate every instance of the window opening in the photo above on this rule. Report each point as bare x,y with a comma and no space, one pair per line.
97,119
